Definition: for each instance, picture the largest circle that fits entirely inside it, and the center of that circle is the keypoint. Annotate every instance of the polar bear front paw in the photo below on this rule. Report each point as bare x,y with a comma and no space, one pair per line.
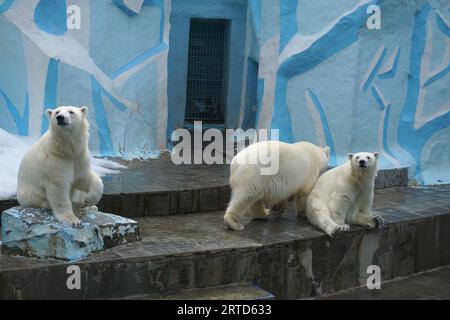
70,219
337,230
379,221
233,223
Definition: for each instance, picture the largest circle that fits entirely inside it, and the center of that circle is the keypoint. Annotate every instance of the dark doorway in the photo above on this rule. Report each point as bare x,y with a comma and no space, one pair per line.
205,94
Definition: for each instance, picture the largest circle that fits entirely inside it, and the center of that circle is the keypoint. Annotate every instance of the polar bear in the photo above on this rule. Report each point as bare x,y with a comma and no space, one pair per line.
297,167
56,173
343,196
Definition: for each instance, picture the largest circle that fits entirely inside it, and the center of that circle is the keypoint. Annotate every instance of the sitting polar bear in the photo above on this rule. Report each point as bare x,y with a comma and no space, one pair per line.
298,166
56,173
344,195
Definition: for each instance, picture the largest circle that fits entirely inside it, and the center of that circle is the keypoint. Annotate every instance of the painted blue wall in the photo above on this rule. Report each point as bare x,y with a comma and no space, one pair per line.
311,69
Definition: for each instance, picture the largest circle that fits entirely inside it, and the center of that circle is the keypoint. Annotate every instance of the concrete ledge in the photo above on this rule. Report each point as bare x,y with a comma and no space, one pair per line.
286,257
171,202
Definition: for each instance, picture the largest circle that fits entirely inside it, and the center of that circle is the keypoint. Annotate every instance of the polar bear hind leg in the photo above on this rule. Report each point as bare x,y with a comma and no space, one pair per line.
319,215
258,211
235,216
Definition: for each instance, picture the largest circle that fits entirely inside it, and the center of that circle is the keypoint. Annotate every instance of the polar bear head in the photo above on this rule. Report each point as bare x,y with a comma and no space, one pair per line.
67,117
363,160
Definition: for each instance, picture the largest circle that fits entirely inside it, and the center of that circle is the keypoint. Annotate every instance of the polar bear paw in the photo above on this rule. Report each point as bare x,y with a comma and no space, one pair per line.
379,221
70,219
278,209
233,223
338,230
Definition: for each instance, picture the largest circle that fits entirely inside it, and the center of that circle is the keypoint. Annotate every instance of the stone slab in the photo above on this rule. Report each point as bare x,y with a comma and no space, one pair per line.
35,232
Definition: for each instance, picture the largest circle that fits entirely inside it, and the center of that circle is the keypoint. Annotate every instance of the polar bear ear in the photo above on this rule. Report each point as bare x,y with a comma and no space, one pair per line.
326,150
84,110
350,156
376,155
49,113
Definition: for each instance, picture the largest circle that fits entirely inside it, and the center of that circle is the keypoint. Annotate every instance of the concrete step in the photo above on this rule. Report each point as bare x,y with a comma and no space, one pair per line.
284,256
429,285
228,292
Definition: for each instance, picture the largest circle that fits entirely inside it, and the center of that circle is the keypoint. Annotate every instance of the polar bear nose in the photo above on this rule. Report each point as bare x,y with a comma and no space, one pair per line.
60,118
362,162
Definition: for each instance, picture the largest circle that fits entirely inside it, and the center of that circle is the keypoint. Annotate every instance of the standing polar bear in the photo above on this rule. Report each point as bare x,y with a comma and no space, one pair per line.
343,196
56,173
296,165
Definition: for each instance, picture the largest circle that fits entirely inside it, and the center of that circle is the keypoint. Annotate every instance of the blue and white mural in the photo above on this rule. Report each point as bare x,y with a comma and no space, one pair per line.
312,69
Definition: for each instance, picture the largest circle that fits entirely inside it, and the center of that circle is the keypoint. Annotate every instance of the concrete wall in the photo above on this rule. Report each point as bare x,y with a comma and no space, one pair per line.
340,84
309,68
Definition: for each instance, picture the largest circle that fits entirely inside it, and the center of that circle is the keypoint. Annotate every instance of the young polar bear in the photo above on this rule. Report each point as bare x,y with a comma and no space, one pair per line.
343,196
269,172
56,173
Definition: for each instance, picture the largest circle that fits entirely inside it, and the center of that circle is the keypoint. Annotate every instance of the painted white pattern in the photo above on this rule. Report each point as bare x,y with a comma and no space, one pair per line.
64,48
425,74
299,43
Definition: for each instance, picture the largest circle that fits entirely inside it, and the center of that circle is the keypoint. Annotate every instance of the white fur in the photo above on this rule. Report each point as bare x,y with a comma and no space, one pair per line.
56,173
343,196
299,165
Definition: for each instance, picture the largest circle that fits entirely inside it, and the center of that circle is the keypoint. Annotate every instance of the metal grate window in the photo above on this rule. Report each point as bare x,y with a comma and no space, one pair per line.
205,79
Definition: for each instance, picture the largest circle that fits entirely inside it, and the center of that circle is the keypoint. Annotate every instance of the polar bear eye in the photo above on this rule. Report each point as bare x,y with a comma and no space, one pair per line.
71,112
57,112
357,158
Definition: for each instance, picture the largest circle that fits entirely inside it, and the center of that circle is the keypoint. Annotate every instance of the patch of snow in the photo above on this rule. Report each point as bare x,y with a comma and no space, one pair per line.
12,150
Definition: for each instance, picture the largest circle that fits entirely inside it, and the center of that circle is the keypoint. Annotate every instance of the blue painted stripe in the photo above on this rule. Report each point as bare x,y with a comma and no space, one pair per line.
437,76
6,5
141,58
385,131
121,5
409,138
442,25
104,135
255,14
51,89
281,118
51,16
378,99
344,33
21,121
326,127
288,22
374,71
391,73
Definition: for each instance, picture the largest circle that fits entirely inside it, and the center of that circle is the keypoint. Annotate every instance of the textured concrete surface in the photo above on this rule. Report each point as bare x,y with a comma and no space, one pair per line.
37,233
430,285
230,292
284,256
